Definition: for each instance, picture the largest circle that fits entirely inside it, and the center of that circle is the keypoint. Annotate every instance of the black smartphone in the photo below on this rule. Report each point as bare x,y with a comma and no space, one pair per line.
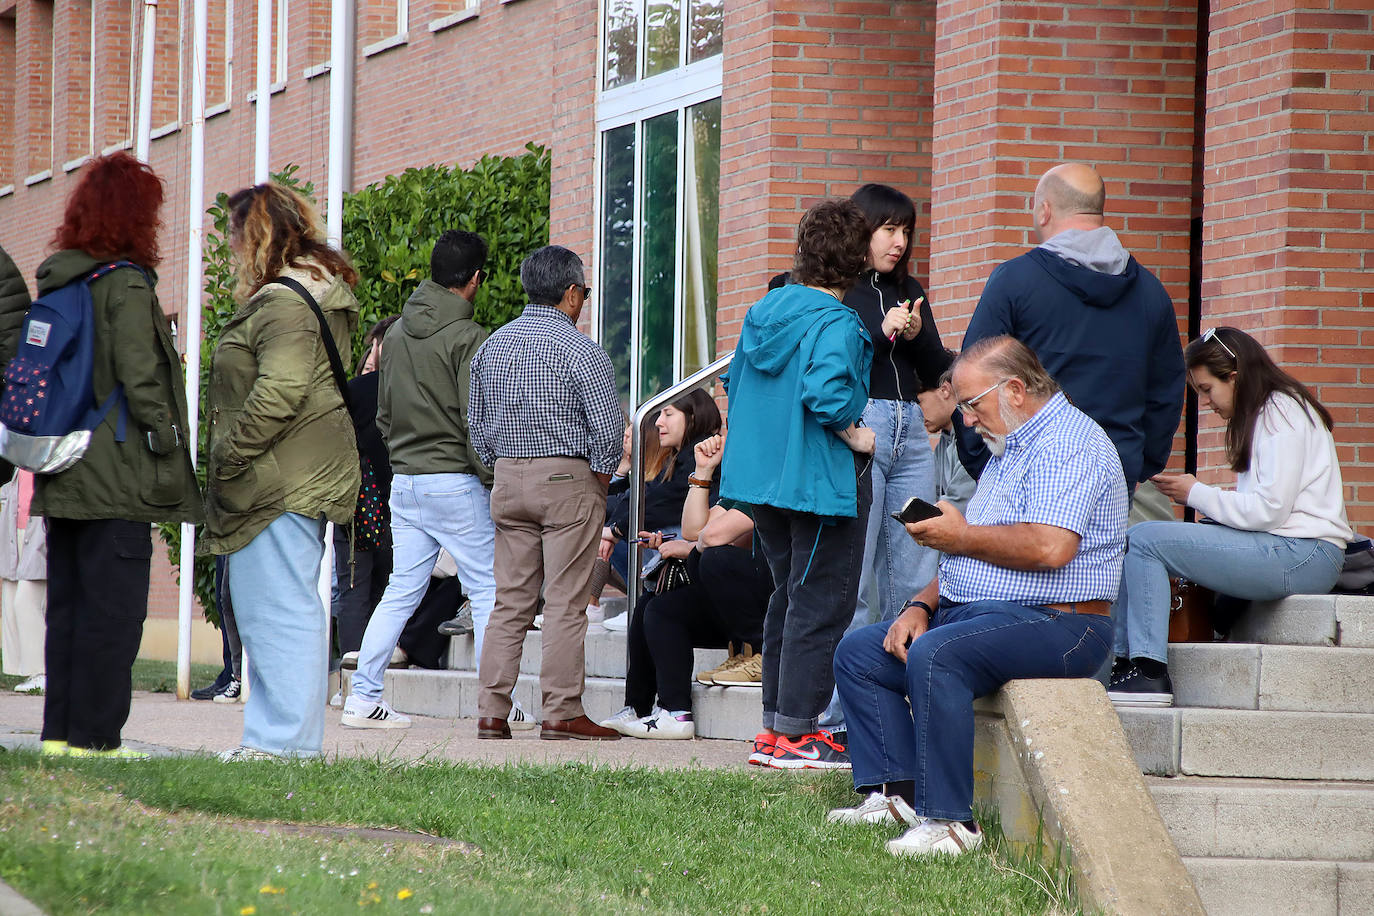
916,510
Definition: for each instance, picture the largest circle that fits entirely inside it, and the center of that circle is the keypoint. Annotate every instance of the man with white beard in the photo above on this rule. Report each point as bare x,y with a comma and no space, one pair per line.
1024,590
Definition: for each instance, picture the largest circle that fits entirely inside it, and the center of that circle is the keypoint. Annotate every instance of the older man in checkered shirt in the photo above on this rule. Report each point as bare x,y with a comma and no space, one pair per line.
544,413
1024,588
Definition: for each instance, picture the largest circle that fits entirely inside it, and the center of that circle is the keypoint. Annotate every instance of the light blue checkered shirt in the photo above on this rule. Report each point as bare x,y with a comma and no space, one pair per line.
1059,469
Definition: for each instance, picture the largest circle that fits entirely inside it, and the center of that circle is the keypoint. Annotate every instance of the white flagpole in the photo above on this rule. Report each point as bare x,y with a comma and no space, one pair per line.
194,295
143,135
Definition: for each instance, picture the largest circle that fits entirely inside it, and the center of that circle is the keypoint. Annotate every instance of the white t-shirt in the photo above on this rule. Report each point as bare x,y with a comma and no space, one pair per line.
1293,486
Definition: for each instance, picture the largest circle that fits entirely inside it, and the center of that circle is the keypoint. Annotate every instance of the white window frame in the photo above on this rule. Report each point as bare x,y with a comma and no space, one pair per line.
643,99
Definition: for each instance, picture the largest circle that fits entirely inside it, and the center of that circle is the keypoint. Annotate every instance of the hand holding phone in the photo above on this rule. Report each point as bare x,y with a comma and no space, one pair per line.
916,510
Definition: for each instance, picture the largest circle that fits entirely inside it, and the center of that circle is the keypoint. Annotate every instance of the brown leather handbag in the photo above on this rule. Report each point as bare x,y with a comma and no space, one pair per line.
1190,607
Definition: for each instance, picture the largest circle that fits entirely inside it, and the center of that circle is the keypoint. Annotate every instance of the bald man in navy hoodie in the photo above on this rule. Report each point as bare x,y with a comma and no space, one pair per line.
1100,322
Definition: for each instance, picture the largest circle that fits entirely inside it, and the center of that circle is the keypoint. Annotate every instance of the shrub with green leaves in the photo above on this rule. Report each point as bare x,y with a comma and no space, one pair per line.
389,231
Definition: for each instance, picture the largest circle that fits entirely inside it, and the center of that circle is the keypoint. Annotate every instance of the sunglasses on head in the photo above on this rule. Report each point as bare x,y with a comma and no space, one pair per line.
1210,335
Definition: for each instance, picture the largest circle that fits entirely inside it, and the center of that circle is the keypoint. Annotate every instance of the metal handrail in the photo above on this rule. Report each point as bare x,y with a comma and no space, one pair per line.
668,395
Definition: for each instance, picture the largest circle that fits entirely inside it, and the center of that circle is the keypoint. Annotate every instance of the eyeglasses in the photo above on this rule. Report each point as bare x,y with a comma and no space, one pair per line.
1210,335
970,406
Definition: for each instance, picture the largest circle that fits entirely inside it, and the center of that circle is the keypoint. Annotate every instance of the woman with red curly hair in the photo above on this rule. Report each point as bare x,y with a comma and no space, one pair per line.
136,471
283,458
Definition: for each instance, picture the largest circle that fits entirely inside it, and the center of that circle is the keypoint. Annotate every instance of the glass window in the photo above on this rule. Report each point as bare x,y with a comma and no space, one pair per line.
622,42
701,212
616,293
658,225
704,29
663,27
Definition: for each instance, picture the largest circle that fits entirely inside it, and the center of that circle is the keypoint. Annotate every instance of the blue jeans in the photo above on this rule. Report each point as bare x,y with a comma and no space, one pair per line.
274,580
1253,565
894,566
430,511
969,651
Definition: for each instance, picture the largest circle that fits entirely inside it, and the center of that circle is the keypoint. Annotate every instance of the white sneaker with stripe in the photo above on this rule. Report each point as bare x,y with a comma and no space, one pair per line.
932,837
360,713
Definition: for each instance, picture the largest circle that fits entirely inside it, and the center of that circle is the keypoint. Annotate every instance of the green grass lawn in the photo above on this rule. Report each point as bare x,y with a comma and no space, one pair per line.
186,835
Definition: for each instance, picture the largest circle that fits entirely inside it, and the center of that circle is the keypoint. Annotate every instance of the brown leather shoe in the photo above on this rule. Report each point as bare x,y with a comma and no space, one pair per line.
581,728
491,727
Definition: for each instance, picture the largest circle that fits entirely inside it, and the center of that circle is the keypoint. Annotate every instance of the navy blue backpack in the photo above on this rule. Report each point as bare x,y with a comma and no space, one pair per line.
48,410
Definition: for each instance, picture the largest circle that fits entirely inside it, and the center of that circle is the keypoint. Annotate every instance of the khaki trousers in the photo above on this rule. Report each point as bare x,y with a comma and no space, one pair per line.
25,605
548,514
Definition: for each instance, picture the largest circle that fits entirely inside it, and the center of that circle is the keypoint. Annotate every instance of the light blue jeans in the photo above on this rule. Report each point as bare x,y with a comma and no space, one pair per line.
1253,565
282,624
894,566
430,511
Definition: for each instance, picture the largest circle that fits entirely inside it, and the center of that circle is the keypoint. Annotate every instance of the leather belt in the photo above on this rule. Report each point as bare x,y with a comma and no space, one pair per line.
1100,608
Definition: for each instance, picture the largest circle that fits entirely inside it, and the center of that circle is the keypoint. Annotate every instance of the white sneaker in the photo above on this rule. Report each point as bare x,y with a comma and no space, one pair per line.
538,622
36,684
519,720
336,700
669,726
931,836
619,623
360,713
241,753
621,720
876,809
232,693
595,614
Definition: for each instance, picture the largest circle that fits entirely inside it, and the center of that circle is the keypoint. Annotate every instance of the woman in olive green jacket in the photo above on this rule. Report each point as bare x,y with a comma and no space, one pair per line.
283,460
136,471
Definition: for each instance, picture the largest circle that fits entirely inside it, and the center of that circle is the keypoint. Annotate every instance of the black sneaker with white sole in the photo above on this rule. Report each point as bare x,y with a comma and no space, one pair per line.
1133,687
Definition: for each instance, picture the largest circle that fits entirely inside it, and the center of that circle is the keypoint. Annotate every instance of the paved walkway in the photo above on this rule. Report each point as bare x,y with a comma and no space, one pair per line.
161,724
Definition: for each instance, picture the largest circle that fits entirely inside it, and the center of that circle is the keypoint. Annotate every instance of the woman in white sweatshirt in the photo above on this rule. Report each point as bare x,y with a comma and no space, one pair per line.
1282,531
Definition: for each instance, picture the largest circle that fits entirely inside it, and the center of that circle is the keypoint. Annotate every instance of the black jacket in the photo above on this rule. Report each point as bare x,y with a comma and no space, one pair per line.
663,499
901,368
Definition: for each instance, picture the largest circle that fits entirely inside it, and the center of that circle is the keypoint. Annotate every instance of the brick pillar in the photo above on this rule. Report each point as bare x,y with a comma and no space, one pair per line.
819,97
572,148
1288,244
1022,86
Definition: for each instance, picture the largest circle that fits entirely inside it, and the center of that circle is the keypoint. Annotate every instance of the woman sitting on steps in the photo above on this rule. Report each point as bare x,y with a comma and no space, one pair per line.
1281,532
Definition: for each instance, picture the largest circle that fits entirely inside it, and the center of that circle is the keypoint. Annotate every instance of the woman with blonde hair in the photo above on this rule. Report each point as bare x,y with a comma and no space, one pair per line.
283,457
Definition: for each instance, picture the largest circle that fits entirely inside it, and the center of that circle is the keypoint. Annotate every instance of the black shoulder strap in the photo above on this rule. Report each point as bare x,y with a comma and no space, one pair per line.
340,378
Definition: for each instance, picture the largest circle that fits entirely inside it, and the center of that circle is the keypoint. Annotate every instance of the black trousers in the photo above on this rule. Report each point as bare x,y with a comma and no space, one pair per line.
97,602
725,603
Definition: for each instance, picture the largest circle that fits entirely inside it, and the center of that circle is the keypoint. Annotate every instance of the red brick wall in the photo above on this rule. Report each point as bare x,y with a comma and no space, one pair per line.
35,22
1020,87
73,96
573,137
820,96
114,63
1289,206
9,165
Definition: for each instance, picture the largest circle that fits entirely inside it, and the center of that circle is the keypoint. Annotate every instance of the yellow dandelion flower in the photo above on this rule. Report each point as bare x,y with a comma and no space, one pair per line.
404,893
372,885
269,889
248,911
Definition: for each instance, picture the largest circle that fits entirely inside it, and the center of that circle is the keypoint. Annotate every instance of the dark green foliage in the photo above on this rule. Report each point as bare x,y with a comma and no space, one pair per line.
390,228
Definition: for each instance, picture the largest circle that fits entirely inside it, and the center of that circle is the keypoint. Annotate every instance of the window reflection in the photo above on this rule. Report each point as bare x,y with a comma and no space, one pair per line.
701,212
663,35
704,29
658,260
622,42
616,294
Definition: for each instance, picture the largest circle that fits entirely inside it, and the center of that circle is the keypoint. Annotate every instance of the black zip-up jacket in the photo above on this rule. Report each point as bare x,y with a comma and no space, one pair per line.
901,368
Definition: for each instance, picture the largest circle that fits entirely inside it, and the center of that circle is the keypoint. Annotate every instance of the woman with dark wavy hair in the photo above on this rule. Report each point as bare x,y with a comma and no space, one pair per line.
137,469
283,458
1282,531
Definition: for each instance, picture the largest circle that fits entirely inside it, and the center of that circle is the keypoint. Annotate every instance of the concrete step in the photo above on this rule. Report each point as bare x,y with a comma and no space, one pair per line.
1268,818
1264,744
1251,886
1297,678
605,654
1310,620
721,712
